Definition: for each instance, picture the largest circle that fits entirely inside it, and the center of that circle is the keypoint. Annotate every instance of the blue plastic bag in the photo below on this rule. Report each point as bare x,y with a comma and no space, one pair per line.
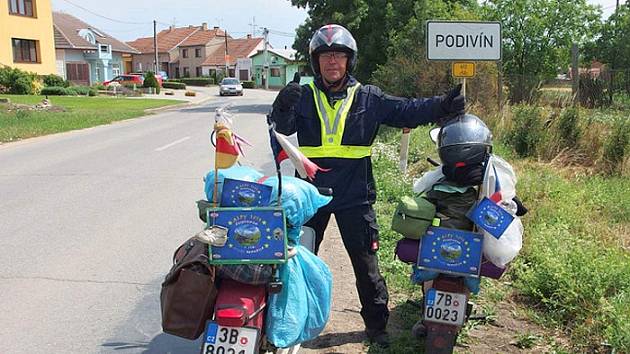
243,173
300,201
301,310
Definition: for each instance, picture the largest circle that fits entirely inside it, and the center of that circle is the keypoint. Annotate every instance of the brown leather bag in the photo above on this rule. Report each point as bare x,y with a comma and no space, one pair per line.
188,291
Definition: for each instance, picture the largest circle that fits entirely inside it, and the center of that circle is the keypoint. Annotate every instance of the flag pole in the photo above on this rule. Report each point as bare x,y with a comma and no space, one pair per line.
216,169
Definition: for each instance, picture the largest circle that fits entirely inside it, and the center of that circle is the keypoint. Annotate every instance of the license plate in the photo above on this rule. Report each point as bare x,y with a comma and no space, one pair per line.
445,307
230,340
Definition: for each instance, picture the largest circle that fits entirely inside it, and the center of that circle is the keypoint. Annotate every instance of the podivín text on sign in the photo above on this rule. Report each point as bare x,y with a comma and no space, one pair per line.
451,40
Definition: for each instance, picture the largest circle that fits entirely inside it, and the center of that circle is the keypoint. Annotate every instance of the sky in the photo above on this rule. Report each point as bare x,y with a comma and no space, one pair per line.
130,19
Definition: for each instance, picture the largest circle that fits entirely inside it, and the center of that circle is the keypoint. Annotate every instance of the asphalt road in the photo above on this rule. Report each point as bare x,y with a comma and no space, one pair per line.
89,220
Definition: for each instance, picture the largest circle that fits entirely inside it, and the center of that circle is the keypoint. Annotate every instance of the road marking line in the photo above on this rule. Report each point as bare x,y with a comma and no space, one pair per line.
172,144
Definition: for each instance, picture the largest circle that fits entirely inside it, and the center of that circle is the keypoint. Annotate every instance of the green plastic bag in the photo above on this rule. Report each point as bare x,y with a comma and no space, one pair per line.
413,216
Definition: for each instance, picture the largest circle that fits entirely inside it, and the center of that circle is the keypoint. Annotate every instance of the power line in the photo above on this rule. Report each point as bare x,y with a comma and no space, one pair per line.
105,17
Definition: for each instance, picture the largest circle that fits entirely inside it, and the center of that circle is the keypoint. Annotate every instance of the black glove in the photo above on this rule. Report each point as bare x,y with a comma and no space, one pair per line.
289,96
453,102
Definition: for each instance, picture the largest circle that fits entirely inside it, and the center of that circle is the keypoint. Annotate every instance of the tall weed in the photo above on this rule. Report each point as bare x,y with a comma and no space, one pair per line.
527,129
617,146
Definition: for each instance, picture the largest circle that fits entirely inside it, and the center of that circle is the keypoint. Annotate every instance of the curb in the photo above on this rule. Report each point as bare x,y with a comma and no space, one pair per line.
177,106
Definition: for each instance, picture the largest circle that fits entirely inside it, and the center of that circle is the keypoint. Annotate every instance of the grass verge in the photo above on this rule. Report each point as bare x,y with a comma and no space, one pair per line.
573,274
77,113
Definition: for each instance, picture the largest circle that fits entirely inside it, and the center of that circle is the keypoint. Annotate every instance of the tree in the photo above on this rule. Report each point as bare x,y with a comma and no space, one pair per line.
151,81
380,27
537,37
613,48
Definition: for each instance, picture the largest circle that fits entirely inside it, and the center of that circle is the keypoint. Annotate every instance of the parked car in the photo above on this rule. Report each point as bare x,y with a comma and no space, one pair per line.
124,80
163,74
230,86
159,77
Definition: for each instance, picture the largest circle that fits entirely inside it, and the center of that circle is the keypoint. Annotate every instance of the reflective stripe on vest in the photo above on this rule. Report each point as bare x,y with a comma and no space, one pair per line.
332,130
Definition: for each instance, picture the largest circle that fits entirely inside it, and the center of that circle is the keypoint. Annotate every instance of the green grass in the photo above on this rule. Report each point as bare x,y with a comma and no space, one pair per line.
80,112
573,273
575,267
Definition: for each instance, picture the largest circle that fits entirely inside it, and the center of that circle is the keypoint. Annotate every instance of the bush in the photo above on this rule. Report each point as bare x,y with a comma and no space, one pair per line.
526,131
617,146
56,91
190,93
54,80
83,90
197,81
151,81
569,127
16,81
174,85
69,91
22,86
248,84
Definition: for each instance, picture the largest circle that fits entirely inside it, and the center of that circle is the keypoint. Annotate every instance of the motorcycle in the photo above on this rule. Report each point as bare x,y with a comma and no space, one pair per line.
447,262
238,323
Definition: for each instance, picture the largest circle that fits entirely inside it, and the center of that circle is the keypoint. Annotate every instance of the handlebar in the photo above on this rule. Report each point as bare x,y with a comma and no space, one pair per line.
325,191
433,162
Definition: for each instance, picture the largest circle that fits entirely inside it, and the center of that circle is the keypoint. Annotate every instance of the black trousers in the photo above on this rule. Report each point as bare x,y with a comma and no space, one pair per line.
359,232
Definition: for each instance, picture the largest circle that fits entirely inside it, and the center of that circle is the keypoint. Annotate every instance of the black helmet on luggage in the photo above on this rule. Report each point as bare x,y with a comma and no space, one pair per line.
464,141
332,38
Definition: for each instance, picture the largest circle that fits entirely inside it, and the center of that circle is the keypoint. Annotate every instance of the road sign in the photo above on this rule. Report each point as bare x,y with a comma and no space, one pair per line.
450,40
463,69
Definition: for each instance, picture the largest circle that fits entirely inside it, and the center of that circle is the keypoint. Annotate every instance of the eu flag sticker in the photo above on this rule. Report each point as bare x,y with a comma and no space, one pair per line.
430,297
237,193
451,251
491,217
211,332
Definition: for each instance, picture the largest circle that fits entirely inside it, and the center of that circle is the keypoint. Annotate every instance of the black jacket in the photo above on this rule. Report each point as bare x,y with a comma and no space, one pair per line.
352,180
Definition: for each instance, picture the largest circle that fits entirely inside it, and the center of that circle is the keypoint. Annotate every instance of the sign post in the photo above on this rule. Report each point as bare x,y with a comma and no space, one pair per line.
463,70
452,40
463,42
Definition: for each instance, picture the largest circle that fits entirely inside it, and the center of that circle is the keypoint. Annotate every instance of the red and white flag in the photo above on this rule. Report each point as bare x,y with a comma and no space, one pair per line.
304,167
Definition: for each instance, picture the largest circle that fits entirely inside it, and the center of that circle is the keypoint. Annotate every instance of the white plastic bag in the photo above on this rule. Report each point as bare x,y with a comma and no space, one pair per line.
428,179
506,176
503,250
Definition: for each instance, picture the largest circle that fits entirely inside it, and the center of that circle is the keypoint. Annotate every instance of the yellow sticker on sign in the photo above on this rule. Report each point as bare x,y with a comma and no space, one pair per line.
463,69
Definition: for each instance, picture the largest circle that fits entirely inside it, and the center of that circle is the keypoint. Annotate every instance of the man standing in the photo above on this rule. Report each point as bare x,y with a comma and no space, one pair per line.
336,120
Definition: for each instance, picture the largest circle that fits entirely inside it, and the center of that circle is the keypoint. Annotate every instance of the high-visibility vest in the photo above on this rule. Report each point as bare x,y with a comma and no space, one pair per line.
332,122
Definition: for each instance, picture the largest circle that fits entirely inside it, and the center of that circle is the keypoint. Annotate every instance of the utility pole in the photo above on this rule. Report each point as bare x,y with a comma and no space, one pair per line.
575,72
253,24
227,71
266,65
155,47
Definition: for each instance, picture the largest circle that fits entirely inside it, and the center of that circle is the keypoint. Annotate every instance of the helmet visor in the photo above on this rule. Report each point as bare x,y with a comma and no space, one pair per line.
465,131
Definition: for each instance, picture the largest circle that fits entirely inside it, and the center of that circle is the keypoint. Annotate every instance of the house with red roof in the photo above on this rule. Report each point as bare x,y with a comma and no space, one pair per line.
237,60
195,49
168,42
85,54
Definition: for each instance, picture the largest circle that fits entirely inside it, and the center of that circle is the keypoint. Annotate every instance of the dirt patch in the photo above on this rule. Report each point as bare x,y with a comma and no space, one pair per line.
344,331
509,332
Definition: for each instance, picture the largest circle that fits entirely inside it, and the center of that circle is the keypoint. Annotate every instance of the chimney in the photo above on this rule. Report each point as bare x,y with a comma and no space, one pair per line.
204,26
285,47
170,28
249,36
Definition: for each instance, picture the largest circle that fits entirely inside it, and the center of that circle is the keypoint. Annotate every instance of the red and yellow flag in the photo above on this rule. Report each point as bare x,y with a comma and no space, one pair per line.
227,149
